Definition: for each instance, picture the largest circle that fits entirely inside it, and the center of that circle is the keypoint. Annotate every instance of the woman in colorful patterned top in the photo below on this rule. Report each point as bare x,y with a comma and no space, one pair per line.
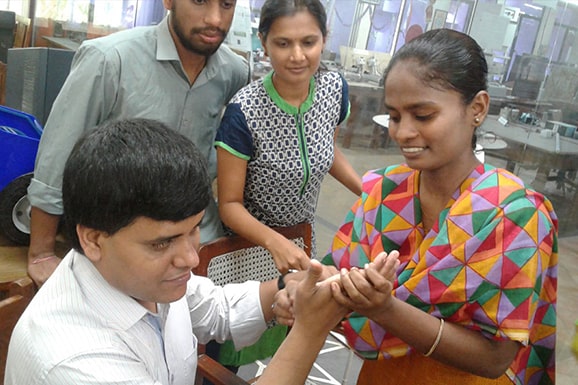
475,295
276,140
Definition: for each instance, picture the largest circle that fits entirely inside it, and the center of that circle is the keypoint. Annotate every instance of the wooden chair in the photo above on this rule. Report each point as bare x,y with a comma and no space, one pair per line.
14,296
22,37
23,32
235,259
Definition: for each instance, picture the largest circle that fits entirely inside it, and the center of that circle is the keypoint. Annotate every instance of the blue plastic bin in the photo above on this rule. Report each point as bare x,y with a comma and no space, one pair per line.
19,137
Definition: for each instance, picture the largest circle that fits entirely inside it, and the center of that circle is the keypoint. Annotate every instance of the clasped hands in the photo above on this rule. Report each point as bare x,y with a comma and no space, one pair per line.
365,290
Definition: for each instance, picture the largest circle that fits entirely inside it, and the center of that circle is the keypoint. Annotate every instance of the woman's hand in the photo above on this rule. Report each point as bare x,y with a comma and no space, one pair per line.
287,255
368,290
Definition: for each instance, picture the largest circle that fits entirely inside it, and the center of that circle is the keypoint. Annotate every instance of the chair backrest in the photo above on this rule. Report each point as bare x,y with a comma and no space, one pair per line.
23,33
14,296
7,30
235,259
15,32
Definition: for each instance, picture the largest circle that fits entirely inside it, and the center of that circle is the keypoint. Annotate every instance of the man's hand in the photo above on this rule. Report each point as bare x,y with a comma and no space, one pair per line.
284,299
315,309
41,268
316,313
41,258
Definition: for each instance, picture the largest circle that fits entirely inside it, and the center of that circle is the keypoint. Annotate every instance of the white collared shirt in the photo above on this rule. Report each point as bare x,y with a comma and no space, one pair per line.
80,330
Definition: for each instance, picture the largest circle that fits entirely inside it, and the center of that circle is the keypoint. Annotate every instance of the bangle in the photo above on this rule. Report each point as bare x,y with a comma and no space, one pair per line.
437,340
43,259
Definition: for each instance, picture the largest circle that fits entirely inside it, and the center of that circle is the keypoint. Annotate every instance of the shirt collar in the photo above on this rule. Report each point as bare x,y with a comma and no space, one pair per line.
166,49
215,62
113,305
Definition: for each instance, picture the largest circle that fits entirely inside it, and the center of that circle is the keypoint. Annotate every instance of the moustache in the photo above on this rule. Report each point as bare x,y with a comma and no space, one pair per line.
210,31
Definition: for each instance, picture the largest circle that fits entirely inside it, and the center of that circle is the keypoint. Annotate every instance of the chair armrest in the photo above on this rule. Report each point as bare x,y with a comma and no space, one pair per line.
216,373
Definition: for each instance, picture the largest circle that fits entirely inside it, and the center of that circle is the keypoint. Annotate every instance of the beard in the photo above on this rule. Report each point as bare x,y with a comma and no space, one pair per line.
188,41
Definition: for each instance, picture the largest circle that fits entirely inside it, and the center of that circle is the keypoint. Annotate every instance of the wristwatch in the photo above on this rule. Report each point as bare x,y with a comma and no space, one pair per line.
281,279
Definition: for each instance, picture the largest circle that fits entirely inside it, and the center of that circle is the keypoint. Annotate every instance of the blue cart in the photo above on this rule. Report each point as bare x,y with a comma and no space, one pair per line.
19,137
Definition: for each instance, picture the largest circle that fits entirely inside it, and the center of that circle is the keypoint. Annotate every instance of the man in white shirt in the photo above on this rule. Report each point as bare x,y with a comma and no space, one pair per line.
123,306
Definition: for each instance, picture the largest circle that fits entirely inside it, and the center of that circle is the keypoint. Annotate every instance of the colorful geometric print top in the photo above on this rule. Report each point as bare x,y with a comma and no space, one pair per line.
288,150
488,264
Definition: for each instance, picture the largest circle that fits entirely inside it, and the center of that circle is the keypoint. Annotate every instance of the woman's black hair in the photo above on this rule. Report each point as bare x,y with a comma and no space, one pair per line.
274,9
448,59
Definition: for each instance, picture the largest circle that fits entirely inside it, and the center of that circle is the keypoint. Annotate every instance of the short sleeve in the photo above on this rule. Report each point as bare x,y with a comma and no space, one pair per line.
91,89
233,134
344,101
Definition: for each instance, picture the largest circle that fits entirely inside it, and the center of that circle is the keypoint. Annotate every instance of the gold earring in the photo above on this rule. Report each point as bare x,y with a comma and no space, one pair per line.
477,120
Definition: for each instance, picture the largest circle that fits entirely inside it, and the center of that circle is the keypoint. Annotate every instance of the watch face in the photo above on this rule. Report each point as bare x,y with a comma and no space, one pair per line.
281,282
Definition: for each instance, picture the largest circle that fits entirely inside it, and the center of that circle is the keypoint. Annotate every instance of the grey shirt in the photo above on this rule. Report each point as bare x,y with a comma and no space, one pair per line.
135,74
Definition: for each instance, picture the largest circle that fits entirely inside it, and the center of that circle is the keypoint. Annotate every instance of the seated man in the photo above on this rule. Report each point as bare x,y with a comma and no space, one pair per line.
123,306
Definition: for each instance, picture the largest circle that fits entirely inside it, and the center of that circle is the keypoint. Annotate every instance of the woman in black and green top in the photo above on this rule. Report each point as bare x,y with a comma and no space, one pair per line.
276,141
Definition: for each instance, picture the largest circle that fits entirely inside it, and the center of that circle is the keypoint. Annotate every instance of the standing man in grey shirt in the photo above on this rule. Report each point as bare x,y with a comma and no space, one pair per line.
176,72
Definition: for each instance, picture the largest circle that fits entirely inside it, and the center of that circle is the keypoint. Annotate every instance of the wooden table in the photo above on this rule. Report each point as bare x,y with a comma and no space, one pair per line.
14,258
13,261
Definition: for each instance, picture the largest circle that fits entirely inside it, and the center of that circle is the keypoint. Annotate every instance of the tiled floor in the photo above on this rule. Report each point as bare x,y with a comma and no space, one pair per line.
333,204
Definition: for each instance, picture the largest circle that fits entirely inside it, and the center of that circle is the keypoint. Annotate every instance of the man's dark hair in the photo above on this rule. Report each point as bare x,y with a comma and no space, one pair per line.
132,168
